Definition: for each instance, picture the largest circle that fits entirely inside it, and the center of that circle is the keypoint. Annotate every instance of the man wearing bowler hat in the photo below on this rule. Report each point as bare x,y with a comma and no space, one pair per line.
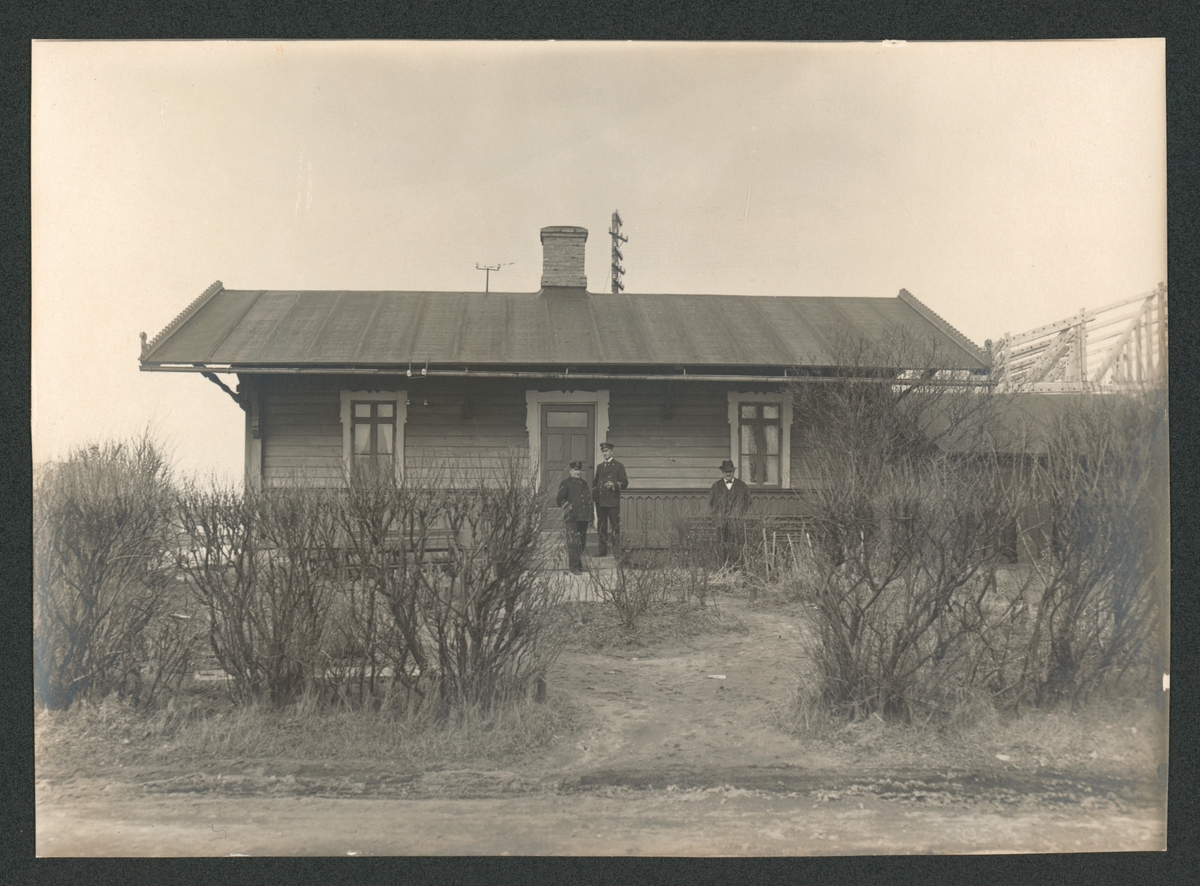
728,501
610,479
575,499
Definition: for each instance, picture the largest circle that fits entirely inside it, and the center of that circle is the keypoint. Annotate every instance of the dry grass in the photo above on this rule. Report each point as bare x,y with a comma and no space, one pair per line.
205,727
1112,735
597,628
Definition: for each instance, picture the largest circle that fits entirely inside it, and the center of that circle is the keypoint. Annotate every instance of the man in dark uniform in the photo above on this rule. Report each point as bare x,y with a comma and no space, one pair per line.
728,501
606,492
575,499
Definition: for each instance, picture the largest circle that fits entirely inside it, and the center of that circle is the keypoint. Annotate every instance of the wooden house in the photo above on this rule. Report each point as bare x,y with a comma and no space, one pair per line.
677,383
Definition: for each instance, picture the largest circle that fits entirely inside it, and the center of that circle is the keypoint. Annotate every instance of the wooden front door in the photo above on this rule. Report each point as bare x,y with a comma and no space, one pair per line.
568,434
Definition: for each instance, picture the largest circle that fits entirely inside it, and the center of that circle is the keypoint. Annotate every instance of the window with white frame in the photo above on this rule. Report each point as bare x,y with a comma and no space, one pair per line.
760,438
373,430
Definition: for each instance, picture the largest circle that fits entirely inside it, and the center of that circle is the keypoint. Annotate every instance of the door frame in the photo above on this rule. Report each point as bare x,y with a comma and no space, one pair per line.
533,421
588,409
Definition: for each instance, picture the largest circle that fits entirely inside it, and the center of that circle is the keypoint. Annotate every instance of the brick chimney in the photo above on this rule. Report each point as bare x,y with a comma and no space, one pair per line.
562,257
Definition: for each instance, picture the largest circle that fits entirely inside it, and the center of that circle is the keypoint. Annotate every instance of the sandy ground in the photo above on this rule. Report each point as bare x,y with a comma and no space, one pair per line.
678,758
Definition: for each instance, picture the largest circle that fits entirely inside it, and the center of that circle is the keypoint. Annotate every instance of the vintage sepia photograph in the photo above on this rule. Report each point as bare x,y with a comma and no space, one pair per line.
599,448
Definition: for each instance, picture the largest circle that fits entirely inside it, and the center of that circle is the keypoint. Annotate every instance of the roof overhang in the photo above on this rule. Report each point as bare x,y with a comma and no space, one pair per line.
740,374
519,335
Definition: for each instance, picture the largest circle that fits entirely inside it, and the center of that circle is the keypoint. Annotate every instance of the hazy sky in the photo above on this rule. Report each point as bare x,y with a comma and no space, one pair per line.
1006,185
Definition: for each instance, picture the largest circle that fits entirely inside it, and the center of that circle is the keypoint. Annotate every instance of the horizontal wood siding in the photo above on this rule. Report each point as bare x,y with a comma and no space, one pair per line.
470,437
672,446
679,445
446,429
301,436
675,443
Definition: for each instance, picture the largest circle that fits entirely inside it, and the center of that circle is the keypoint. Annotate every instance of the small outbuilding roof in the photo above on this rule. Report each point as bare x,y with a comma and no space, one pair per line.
1026,422
247,330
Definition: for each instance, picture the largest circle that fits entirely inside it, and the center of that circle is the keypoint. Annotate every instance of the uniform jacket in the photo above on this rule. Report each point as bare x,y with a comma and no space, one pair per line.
577,496
610,480
729,502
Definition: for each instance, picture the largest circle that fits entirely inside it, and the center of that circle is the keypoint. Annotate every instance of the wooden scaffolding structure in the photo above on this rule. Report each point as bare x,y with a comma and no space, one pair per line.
1120,346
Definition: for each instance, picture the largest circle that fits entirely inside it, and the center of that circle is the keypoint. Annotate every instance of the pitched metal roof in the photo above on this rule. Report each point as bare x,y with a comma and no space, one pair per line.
247,329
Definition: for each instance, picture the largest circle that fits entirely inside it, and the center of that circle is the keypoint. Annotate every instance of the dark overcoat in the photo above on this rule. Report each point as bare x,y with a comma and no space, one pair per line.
610,480
575,499
729,502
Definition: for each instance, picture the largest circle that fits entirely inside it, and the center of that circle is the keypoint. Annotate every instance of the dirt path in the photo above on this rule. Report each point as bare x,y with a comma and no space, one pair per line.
699,706
678,757
720,821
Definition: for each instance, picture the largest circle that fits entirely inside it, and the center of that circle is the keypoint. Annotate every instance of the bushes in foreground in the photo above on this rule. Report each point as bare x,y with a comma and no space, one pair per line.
649,580
105,597
259,567
909,497
916,608
632,588
432,593
1100,590
430,589
458,571
437,592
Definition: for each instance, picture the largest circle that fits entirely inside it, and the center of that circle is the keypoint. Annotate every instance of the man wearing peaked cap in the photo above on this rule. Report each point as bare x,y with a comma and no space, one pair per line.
575,499
610,479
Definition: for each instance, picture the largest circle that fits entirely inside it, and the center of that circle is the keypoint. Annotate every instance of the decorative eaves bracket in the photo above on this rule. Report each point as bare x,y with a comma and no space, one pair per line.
237,395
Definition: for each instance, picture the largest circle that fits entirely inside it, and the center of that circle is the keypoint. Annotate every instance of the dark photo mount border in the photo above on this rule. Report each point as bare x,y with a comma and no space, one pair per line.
25,20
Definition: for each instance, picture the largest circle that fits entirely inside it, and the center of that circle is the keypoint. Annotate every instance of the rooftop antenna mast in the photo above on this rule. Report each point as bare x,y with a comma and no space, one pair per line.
617,239
487,280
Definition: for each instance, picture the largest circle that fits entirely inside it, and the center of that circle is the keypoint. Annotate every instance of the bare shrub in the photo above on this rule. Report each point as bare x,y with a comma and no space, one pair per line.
489,604
104,577
260,566
391,530
1102,579
463,572
908,497
902,599
168,648
632,587
361,648
692,558
922,489
367,653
